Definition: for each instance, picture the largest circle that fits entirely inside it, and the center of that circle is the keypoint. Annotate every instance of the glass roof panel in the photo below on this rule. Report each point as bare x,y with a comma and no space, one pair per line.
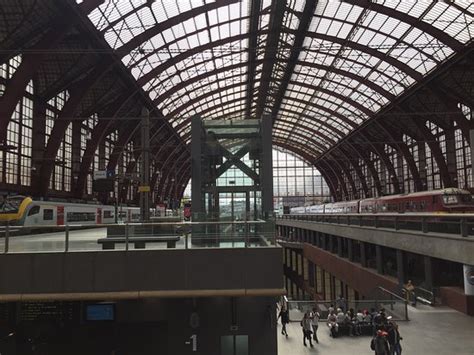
353,61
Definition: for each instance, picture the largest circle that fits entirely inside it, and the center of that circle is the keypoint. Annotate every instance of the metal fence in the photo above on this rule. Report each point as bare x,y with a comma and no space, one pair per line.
461,224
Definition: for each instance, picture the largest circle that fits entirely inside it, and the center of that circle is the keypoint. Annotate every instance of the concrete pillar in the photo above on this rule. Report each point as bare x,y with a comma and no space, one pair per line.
363,255
422,164
428,272
339,246
379,258
145,166
401,267
37,143
350,251
266,166
197,195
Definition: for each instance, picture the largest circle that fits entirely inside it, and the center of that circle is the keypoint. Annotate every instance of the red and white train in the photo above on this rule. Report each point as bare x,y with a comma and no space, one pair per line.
449,200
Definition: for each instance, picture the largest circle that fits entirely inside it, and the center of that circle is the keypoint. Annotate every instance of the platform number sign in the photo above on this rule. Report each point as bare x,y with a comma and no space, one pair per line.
193,341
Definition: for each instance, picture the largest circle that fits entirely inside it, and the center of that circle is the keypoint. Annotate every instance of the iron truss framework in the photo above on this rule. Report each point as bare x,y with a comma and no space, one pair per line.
370,92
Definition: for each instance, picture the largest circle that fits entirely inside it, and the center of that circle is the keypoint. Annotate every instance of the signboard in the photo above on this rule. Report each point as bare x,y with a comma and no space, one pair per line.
100,174
103,185
58,311
144,188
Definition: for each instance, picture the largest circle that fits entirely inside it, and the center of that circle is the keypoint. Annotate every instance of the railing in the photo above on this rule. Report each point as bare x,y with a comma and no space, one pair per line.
181,235
395,304
461,224
425,296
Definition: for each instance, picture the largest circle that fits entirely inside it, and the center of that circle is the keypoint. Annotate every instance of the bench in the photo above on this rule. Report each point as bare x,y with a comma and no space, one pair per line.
139,242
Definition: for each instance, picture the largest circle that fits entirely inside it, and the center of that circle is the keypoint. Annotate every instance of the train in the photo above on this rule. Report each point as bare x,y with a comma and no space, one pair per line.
448,200
24,211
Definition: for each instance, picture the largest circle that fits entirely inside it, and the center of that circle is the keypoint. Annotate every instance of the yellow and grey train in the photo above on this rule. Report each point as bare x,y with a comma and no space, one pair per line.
24,211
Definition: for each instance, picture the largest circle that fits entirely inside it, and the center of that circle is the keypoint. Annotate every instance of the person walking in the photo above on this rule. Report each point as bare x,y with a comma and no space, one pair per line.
307,327
315,319
285,319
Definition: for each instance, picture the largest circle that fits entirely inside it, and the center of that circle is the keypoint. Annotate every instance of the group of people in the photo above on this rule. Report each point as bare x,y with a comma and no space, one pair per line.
386,336
309,324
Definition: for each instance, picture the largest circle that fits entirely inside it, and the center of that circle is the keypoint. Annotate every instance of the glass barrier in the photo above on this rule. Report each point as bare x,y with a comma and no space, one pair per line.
131,236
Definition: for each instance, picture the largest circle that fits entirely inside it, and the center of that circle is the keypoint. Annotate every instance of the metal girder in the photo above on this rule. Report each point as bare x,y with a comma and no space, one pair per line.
329,181
398,144
172,157
30,63
369,50
430,139
124,136
193,51
298,134
199,78
277,13
413,21
324,123
372,170
353,76
87,6
99,132
341,188
300,35
343,167
162,26
355,164
252,53
65,118
388,165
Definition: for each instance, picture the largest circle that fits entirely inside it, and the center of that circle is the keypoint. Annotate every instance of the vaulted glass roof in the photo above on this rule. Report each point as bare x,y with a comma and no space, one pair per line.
319,68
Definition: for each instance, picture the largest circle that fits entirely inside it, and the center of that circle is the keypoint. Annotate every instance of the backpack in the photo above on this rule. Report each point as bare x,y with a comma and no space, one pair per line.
372,344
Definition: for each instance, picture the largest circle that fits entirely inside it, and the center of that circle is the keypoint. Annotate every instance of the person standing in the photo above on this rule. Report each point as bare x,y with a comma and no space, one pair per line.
307,326
379,343
394,339
315,319
410,293
285,319
341,303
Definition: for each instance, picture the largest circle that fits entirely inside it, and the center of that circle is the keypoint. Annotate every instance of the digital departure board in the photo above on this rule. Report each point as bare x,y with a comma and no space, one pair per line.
58,311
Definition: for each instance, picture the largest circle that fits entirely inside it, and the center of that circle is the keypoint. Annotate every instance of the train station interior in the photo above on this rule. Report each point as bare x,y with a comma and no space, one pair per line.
236,177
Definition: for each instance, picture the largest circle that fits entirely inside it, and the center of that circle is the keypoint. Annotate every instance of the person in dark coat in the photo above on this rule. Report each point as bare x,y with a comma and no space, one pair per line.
379,343
285,319
394,338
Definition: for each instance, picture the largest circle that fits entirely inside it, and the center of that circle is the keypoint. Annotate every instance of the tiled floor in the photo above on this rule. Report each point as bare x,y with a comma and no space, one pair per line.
440,331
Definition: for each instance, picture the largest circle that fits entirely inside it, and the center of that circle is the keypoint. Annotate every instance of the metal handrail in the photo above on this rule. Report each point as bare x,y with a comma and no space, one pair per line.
415,214
251,233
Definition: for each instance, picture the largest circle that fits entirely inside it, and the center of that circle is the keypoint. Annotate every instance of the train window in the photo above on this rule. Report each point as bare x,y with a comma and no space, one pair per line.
108,214
34,210
48,215
450,199
80,216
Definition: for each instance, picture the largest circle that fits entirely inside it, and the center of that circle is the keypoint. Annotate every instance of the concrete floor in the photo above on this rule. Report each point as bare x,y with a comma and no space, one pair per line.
440,331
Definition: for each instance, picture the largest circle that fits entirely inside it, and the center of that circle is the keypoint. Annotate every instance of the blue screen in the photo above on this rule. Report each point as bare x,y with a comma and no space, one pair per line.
100,312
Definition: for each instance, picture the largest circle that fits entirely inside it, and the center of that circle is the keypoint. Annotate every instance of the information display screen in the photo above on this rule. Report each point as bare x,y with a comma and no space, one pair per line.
100,312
